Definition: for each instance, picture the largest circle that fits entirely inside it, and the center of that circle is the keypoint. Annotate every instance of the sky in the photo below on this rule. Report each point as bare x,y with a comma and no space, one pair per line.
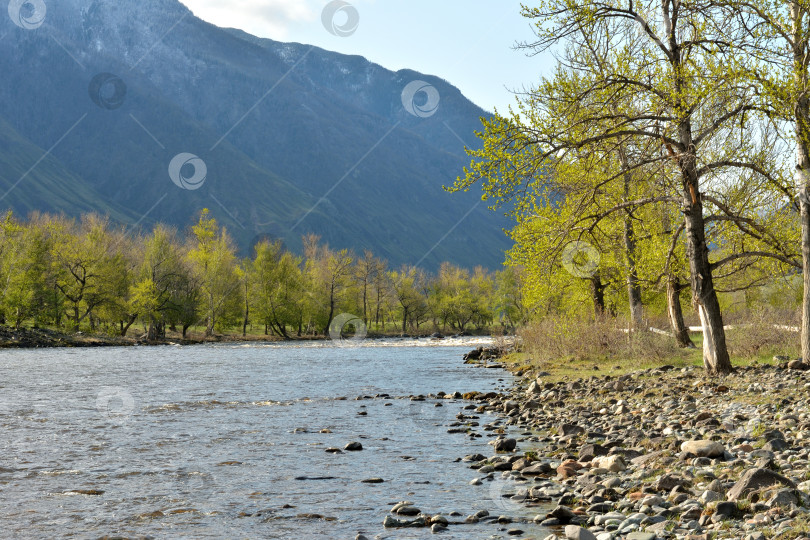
469,43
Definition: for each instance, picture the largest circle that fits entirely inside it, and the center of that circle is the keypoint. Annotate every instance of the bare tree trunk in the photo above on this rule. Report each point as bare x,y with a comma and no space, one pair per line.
804,207
151,334
598,294
715,353
247,310
633,286
676,322
802,135
125,326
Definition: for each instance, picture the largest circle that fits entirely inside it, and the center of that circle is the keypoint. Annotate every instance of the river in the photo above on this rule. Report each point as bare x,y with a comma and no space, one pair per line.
229,440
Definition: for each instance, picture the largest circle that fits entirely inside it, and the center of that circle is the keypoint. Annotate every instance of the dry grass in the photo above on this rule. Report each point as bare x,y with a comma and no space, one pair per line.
560,339
763,333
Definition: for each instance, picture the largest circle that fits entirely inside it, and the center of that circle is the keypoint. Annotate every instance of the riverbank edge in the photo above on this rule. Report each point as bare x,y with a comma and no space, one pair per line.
36,338
701,474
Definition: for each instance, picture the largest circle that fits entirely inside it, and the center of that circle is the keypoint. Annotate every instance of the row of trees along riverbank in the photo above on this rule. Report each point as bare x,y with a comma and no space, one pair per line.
673,140
91,275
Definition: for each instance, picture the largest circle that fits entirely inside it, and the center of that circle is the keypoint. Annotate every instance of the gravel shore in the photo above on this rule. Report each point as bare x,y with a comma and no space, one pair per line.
657,454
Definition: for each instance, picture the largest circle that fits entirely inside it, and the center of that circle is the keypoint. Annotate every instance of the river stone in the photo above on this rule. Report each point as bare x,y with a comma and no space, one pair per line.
510,405
668,482
638,535
575,532
406,510
783,498
562,514
570,429
772,434
613,463
537,468
505,445
711,496
754,480
707,449
390,522
590,451
776,445
726,509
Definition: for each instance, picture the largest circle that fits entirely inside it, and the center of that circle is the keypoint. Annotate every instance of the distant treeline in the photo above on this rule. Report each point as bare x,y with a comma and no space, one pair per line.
89,274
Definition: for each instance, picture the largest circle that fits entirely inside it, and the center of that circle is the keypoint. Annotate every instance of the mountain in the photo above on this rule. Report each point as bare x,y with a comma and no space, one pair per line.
288,138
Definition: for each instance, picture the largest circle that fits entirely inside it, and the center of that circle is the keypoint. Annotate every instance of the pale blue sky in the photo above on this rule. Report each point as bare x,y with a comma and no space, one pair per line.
467,42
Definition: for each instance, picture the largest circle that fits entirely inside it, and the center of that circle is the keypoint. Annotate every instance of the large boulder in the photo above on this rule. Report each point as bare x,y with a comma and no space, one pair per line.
568,430
709,449
505,445
536,469
575,532
754,480
613,463
590,451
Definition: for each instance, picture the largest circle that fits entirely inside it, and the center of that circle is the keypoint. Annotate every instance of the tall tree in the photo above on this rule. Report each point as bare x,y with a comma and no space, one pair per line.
671,61
213,258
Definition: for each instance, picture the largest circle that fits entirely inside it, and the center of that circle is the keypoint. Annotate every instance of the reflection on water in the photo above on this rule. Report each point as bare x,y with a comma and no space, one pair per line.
229,440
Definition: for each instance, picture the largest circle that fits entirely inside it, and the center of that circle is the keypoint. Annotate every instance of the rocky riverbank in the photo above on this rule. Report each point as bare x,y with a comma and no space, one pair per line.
664,453
33,338
661,453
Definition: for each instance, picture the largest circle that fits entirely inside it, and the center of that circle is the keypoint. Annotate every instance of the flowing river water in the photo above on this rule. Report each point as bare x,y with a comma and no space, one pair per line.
226,441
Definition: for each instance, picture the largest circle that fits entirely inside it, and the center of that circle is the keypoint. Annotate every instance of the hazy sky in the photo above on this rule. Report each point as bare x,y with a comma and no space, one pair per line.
467,42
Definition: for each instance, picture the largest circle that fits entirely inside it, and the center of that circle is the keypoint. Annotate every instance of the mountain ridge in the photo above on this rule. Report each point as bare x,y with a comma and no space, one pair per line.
326,147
